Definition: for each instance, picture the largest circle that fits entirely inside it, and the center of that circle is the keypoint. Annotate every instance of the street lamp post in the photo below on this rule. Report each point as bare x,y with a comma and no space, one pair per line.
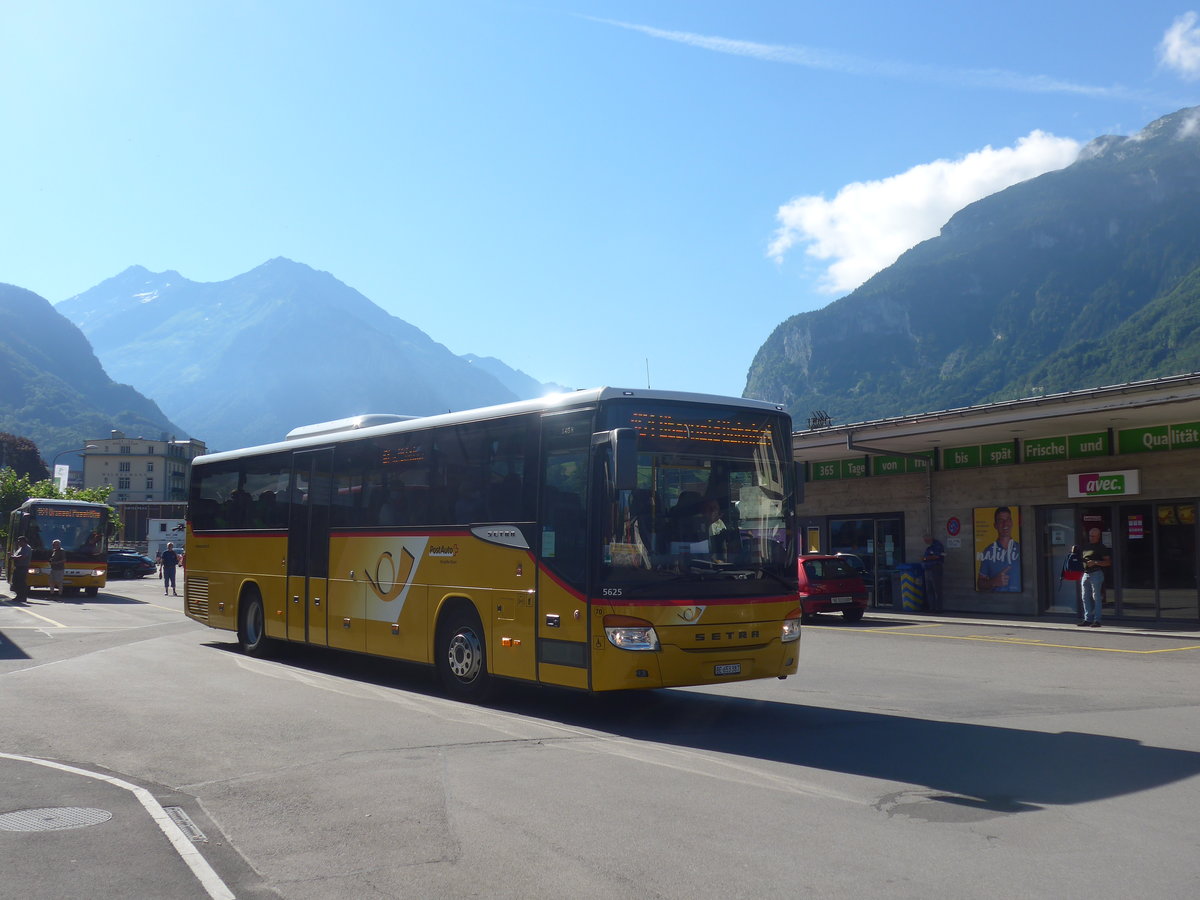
54,463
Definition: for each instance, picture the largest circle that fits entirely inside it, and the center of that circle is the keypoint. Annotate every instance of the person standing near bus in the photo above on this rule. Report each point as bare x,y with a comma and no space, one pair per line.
935,555
18,578
1096,558
170,559
58,567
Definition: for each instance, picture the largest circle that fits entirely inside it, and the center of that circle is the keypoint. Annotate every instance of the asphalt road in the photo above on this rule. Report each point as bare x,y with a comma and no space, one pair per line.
141,755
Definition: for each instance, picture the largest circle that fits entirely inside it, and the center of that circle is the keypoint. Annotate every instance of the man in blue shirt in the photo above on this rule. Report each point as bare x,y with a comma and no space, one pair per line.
935,554
170,559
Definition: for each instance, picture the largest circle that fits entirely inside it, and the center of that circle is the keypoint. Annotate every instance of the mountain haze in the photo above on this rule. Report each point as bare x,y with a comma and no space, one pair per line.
53,389
523,385
1085,276
244,361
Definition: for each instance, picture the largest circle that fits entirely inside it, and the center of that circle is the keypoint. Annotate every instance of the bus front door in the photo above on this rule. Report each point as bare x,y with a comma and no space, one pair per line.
308,546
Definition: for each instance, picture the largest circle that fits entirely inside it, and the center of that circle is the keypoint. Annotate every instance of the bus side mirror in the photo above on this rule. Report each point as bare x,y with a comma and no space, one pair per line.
623,444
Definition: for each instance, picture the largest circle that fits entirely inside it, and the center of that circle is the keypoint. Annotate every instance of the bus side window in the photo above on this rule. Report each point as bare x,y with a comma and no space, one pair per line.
563,524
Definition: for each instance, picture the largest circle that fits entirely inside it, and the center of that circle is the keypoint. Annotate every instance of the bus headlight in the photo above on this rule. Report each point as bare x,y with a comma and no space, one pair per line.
630,633
791,626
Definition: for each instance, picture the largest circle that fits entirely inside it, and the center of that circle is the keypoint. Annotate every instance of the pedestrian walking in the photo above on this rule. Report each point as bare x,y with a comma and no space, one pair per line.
170,559
18,577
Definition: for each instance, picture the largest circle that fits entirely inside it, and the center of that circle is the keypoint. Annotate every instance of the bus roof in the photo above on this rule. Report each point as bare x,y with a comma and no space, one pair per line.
331,432
54,501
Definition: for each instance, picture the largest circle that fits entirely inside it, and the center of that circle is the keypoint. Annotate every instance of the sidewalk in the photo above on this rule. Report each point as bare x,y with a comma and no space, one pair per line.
1186,630
70,832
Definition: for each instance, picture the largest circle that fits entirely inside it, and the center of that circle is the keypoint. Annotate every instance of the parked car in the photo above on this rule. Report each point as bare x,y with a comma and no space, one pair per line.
127,564
830,584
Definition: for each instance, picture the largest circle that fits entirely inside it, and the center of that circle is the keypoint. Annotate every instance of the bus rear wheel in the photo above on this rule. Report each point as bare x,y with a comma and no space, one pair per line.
252,631
461,658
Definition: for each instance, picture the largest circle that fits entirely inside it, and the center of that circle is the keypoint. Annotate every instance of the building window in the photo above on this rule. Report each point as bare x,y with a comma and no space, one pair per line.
124,467
150,449
149,484
122,484
149,467
125,448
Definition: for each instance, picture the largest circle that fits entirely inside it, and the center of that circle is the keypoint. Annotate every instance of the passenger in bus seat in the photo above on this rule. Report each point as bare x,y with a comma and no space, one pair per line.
267,510
239,507
687,518
723,537
469,505
391,509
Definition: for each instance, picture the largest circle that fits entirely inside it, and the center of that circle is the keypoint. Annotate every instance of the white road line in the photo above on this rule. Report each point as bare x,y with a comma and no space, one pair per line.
187,851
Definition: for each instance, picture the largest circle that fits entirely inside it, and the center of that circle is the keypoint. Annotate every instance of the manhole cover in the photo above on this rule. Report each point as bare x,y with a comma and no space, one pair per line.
52,819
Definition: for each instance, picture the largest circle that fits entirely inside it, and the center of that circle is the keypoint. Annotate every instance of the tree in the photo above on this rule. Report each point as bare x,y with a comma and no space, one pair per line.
21,454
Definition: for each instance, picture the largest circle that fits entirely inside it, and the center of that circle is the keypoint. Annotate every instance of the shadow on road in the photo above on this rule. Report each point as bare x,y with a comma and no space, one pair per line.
984,766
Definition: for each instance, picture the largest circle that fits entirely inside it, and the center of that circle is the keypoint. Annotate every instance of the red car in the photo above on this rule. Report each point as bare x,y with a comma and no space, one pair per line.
830,584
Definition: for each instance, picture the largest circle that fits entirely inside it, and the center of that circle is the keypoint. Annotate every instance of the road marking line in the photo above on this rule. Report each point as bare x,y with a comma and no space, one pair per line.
30,612
208,878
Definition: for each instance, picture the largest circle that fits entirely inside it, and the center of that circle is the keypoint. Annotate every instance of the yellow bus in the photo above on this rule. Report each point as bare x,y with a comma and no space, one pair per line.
603,540
81,526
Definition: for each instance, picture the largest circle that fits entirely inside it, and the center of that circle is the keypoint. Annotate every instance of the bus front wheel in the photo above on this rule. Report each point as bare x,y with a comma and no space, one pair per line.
252,632
461,658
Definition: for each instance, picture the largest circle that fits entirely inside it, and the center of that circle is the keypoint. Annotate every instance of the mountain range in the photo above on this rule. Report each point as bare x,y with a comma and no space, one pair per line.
244,361
1086,276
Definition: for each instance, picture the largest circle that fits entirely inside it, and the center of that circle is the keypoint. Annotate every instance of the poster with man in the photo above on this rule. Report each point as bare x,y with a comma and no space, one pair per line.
997,551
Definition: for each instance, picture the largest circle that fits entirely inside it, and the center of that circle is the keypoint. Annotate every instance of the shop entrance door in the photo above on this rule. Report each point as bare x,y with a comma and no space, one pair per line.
1057,532
879,543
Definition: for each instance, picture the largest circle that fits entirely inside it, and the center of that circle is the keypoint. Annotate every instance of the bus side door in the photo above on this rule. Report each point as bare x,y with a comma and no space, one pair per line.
308,546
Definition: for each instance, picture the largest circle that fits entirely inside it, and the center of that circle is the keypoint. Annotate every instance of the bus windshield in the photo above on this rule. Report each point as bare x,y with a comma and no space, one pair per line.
81,529
709,516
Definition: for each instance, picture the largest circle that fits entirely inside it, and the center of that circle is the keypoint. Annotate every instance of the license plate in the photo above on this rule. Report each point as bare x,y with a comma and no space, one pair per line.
728,669
842,600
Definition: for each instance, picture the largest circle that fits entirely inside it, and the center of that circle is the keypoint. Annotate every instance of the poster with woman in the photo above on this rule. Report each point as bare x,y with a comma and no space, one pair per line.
997,551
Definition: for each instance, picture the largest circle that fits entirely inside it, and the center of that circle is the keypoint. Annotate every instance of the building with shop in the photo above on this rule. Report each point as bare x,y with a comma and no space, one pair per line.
1121,463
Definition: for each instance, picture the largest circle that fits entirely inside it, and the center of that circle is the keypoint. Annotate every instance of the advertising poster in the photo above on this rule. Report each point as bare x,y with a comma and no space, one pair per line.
997,550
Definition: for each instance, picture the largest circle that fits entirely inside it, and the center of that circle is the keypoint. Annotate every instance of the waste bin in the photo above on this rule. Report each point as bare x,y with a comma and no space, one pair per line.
912,586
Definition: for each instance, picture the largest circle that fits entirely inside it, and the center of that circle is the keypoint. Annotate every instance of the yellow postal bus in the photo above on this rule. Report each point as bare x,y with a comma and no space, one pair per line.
603,540
82,528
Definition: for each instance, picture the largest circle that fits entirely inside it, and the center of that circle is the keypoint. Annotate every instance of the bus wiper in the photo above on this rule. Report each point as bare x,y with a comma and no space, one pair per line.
790,585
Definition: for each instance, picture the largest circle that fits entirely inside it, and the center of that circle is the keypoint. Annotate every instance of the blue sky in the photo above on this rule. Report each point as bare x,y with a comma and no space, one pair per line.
590,191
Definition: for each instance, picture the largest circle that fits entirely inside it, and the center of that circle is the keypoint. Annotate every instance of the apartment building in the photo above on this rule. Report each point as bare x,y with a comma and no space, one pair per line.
140,470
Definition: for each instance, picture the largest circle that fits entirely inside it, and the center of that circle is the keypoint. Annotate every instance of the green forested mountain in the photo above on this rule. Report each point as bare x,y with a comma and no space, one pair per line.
1085,276
53,389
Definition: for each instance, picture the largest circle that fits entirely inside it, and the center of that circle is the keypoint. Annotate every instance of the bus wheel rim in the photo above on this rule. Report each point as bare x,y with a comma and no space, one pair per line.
465,655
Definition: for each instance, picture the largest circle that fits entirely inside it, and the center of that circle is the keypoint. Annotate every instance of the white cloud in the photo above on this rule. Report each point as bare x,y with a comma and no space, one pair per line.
1180,47
868,225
